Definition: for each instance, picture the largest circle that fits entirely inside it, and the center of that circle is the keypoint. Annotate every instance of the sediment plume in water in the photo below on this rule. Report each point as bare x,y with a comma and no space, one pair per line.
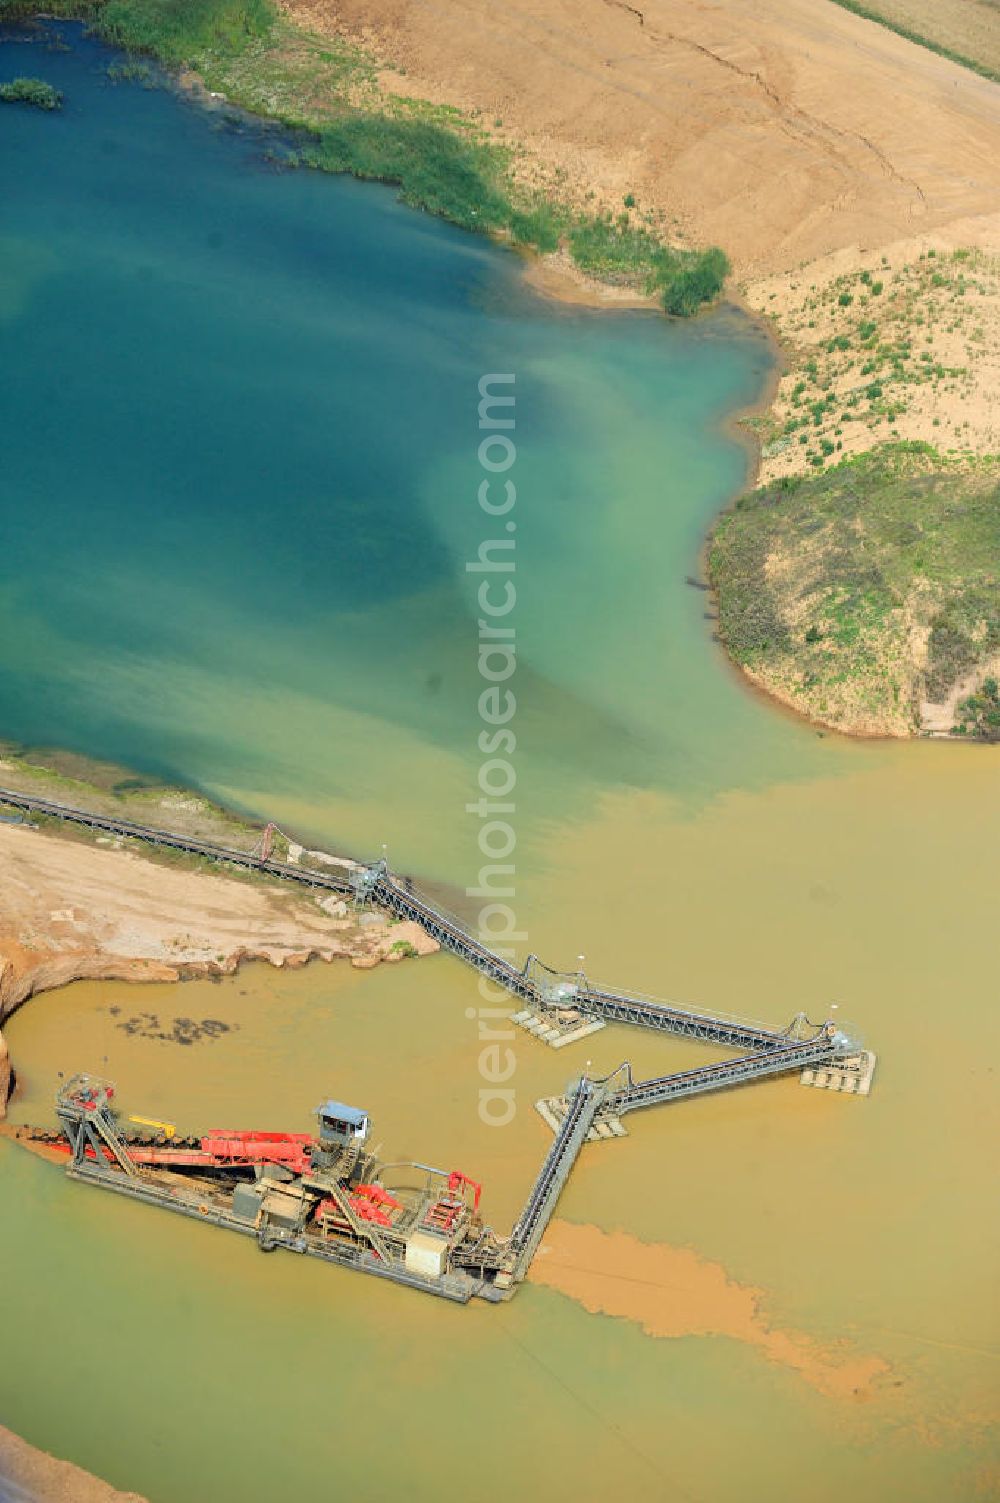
671,1291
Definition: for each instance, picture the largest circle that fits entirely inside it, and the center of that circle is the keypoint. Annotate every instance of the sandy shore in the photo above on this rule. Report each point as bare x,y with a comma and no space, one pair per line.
803,139
806,141
74,910
949,309
31,1476
557,276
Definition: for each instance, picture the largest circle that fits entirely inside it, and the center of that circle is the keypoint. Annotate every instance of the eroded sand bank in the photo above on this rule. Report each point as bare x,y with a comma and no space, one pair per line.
74,911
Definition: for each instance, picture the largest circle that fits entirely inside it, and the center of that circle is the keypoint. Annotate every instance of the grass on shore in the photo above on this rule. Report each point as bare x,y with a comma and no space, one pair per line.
178,31
620,250
442,161
857,593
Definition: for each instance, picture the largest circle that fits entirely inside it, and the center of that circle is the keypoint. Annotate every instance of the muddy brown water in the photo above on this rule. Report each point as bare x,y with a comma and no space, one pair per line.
801,1281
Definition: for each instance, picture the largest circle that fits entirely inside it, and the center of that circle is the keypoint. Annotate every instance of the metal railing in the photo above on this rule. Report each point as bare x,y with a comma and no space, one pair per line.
718,1076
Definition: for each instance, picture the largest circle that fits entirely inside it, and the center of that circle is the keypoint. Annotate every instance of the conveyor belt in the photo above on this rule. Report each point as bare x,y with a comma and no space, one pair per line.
725,1073
380,886
554,1173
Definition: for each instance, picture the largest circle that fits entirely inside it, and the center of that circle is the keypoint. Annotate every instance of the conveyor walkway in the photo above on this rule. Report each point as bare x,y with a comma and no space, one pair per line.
724,1073
554,1173
378,885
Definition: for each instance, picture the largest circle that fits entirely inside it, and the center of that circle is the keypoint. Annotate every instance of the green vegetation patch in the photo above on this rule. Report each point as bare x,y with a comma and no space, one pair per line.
979,714
132,72
182,31
616,250
33,91
435,169
862,590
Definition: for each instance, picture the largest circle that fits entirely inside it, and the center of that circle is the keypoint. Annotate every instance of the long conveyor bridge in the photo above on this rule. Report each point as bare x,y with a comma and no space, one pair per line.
585,1102
529,981
534,982
501,1262
718,1076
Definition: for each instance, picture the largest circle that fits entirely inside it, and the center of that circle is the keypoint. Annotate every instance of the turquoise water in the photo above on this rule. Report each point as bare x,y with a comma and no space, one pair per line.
238,466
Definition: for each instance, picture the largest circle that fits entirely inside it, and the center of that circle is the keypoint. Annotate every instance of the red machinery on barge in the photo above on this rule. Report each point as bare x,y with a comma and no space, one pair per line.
324,1194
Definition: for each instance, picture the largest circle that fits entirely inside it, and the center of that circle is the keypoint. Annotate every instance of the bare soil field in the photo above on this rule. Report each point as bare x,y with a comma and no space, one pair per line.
782,130
970,28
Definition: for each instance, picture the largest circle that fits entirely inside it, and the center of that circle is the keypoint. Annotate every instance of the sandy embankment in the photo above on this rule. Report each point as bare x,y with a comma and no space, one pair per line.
31,1476
72,910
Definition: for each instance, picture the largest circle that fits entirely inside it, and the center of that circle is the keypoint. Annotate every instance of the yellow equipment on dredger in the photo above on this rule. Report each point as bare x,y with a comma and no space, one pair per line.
166,1128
